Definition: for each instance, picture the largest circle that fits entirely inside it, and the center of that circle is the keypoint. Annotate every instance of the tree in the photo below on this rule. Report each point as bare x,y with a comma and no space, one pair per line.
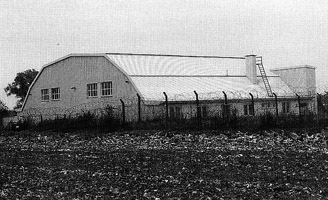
20,85
3,106
3,110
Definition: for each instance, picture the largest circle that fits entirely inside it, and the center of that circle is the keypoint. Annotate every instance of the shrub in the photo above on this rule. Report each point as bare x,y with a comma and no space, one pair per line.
108,121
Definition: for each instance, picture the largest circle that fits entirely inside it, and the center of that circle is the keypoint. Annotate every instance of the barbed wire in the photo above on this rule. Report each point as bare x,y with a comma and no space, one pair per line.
155,108
322,89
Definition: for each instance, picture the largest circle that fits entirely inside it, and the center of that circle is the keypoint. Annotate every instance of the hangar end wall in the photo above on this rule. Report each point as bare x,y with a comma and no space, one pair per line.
71,76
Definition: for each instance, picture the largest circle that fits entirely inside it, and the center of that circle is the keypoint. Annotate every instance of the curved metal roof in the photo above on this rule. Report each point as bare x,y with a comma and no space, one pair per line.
179,76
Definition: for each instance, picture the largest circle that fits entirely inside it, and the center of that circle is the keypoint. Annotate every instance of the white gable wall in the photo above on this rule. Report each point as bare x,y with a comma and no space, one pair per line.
77,72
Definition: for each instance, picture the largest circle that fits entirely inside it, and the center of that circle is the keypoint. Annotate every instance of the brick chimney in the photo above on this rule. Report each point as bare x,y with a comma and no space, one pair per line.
251,71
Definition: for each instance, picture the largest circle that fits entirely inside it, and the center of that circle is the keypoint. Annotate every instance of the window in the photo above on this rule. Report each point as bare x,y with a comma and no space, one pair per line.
226,110
268,105
245,110
178,112
55,93
248,109
45,95
285,107
204,111
175,112
304,108
106,89
251,109
92,90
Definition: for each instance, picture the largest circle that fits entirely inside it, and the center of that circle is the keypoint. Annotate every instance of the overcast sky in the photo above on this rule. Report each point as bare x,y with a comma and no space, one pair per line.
285,33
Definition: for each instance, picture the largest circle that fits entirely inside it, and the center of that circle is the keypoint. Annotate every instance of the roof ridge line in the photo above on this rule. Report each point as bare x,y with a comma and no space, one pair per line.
166,75
176,55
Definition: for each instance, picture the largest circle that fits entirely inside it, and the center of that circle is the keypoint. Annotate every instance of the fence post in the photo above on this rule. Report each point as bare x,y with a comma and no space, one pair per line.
253,109
299,108
276,102
139,108
226,111
166,110
198,109
299,104
225,98
197,104
319,101
123,111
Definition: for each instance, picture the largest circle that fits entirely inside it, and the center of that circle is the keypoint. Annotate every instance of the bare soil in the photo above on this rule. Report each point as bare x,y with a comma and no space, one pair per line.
164,165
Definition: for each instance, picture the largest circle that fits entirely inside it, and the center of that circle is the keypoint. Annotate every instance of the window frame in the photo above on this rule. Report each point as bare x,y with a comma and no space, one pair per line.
43,95
55,94
92,90
285,107
304,108
204,113
245,109
175,112
249,110
178,112
268,105
226,109
109,89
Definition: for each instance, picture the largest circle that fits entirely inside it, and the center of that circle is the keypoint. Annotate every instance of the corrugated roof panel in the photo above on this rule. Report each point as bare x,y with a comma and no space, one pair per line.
168,65
171,65
179,76
181,88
